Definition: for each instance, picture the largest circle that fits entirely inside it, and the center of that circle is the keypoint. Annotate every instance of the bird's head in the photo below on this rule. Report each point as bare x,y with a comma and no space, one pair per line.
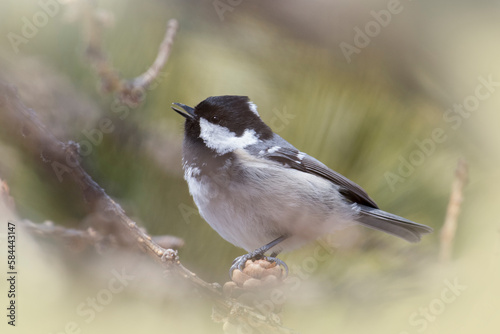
224,123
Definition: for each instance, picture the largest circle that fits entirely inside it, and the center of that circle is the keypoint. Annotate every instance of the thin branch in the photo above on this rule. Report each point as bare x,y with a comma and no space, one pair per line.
64,160
145,79
451,221
130,92
5,197
25,128
78,240
75,240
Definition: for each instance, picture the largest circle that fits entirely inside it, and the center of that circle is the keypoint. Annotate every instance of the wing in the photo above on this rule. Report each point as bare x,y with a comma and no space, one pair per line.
289,156
392,224
348,188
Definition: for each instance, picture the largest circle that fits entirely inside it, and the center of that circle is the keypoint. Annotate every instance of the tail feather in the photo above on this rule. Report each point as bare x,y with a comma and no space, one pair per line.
392,224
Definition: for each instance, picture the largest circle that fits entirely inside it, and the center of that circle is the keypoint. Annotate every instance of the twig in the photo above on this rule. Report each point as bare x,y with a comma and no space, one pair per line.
450,223
24,127
25,124
76,240
5,197
145,79
130,92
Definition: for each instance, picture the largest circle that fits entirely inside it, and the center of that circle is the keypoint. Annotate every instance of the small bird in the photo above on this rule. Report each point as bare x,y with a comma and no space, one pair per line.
262,194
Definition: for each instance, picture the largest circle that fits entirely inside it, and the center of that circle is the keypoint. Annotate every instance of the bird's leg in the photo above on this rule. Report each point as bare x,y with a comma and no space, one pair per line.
274,254
239,262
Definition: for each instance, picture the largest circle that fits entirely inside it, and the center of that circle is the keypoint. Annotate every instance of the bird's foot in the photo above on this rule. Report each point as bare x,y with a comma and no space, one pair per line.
240,261
278,263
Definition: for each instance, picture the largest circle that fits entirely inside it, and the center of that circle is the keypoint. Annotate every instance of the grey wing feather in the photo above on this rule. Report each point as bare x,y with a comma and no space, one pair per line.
349,189
290,156
369,213
392,224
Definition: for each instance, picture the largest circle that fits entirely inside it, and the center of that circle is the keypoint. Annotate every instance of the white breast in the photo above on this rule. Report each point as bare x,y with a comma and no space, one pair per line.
267,201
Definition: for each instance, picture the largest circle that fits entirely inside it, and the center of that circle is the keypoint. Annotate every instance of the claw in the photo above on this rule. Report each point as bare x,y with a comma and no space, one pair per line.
278,262
240,261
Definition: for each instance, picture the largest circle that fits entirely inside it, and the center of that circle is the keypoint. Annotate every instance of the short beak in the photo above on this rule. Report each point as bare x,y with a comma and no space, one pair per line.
188,113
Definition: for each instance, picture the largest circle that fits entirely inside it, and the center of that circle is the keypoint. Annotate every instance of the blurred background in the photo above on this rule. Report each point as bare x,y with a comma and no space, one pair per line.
388,93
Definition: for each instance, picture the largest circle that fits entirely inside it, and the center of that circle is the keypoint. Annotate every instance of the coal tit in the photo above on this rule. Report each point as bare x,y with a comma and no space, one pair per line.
262,194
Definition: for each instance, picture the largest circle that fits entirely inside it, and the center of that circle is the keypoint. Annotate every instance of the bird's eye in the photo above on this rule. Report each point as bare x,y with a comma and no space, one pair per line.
215,119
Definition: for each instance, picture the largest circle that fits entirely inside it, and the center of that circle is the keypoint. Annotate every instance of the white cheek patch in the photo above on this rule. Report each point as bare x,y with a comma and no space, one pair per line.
222,140
253,108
